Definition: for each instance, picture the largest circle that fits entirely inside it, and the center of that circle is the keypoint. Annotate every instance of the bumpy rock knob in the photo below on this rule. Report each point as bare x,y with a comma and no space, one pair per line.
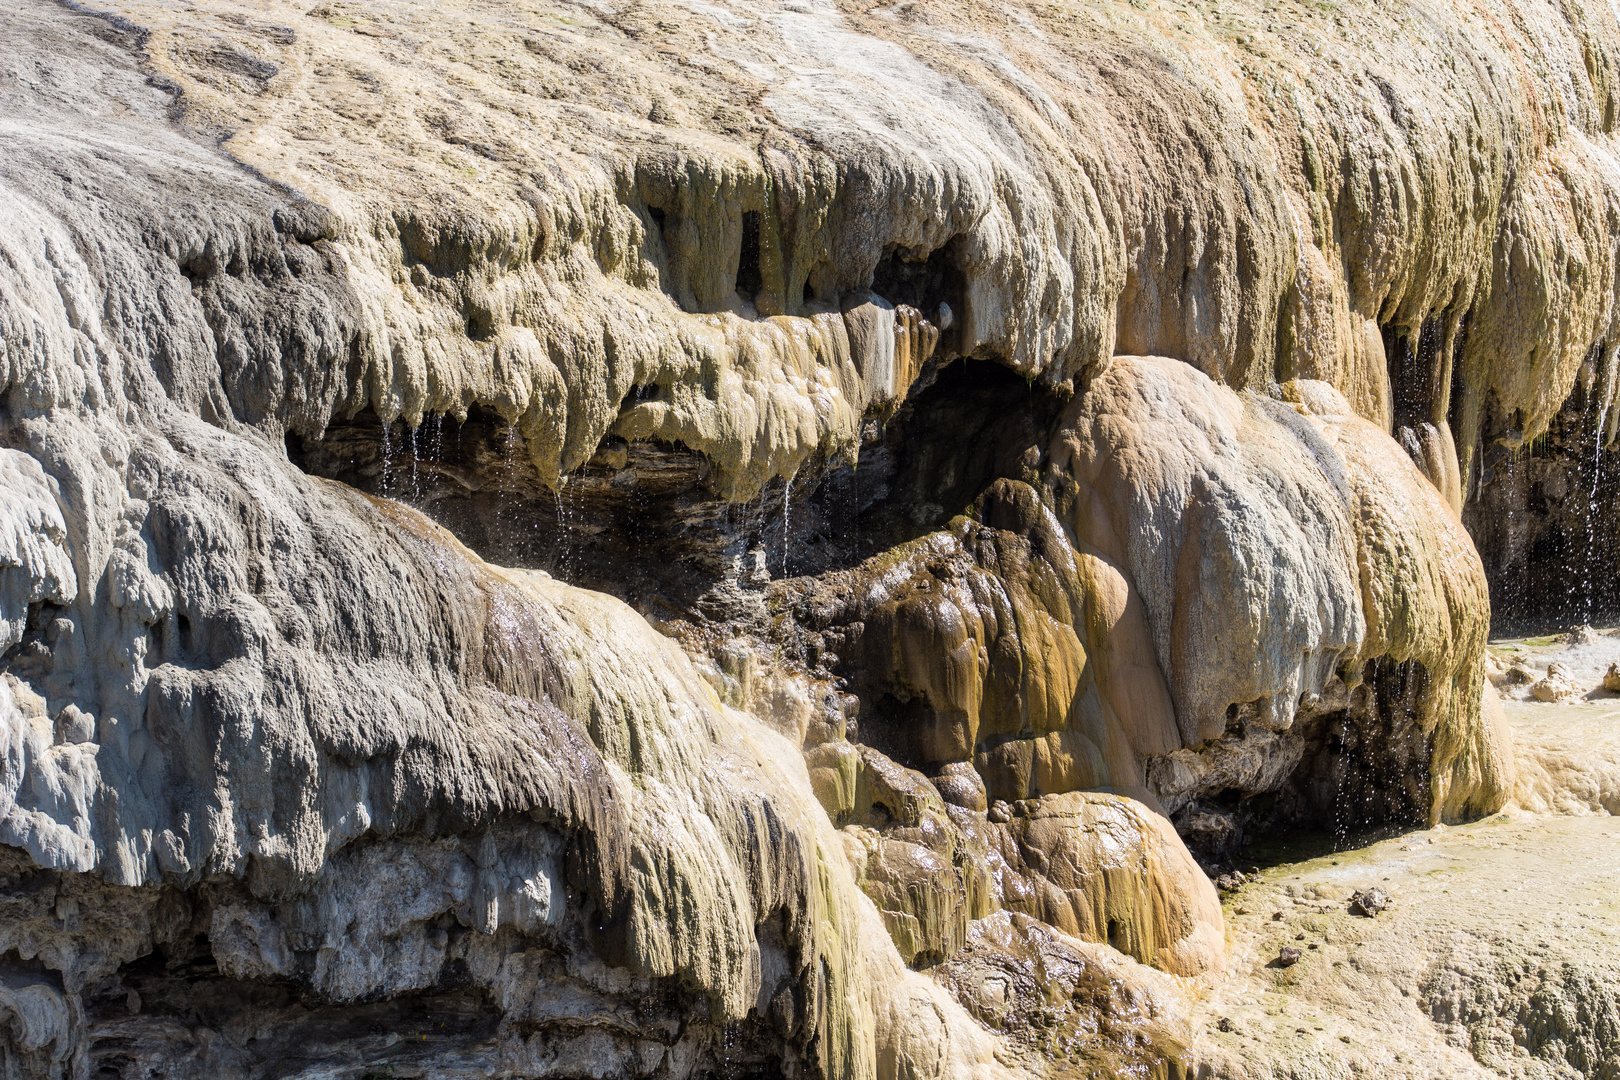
75,726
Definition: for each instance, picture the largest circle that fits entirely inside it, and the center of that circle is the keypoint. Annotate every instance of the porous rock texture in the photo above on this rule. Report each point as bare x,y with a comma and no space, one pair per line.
1003,432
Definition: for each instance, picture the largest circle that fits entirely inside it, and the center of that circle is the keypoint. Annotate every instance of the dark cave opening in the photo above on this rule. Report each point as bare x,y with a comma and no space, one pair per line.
1366,765
934,284
1460,387
749,278
166,1003
31,658
641,520
967,424
1542,521
1360,766
1536,511
1414,372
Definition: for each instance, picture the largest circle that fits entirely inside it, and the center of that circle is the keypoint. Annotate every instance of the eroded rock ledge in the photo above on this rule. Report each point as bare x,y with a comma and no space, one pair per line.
675,541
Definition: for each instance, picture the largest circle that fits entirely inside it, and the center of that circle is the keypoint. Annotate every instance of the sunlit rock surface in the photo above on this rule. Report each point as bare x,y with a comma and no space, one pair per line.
1494,956
675,540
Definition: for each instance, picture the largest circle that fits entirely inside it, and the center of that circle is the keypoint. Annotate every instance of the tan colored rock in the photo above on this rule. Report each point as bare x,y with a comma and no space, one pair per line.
1515,672
959,784
1047,990
1611,679
1082,227
1498,742
927,877
927,893
1426,600
1558,685
1226,511
1108,869
543,212
1234,523
1568,759
986,635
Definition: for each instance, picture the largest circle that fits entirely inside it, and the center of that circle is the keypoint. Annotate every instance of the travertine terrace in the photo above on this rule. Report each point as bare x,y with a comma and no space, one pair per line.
729,539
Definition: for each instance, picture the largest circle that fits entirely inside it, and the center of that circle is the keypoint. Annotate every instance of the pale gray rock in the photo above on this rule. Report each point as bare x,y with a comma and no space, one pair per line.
1233,515
309,728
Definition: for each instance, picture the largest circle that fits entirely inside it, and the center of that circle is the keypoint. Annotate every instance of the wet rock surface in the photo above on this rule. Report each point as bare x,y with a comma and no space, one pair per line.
1493,958
1067,1006
1493,963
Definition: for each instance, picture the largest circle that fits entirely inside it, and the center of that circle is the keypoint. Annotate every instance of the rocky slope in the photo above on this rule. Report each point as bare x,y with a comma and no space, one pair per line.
706,539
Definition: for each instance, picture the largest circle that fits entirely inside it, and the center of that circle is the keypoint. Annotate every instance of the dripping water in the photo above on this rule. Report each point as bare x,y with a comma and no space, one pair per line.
851,518
416,480
1341,826
508,471
560,555
757,529
728,1034
564,495
1592,516
787,509
387,458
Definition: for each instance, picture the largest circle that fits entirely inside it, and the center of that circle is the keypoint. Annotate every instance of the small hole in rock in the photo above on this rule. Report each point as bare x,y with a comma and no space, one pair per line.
480,325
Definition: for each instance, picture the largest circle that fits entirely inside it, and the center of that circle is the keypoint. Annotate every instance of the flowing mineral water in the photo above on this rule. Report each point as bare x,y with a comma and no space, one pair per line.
758,529
506,474
1341,827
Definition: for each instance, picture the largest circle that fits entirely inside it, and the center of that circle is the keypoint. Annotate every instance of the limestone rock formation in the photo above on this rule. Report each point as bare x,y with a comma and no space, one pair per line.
1556,685
681,540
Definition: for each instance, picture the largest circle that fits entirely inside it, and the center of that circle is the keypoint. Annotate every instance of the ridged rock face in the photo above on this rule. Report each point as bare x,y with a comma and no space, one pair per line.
1277,545
993,441
1262,195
